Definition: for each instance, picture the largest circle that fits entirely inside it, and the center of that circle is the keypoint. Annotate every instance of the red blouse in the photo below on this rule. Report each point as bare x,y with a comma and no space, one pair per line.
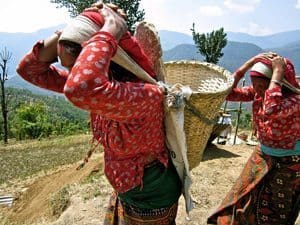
276,119
126,117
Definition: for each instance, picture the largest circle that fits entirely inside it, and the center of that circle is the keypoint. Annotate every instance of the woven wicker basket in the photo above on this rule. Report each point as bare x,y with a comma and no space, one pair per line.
210,84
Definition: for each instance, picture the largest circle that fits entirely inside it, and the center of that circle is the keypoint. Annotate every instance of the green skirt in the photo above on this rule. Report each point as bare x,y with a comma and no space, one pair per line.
161,188
153,203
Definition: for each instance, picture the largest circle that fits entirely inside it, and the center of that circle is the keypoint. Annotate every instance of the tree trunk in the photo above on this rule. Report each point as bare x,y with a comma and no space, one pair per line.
3,99
4,114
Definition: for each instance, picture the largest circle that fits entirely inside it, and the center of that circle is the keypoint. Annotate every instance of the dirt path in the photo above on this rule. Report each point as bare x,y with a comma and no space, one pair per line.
34,203
214,176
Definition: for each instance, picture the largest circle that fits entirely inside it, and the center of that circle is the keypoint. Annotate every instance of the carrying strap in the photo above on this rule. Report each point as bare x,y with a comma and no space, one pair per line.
124,60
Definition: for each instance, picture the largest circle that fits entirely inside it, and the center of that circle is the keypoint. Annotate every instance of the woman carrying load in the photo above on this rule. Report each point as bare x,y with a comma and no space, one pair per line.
268,189
126,113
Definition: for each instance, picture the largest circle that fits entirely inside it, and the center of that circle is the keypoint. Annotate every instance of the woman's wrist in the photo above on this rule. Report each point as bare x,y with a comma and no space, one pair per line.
245,67
52,40
239,74
278,70
278,74
48,53
276,82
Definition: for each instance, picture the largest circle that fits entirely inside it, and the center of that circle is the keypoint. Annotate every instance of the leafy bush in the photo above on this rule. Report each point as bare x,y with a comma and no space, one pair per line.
31,121
34,116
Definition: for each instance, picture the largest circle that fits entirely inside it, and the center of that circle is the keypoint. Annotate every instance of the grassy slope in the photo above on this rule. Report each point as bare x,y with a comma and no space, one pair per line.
20,160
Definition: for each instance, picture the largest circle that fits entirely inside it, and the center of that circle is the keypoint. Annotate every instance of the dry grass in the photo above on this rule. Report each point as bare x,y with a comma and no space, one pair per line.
89,191
59,201
21,160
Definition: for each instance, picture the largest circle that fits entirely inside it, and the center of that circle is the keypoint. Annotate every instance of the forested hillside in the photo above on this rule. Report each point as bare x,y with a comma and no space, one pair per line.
35,116
171,39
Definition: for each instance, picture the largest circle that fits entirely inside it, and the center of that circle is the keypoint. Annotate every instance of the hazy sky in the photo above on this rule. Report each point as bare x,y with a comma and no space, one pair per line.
256,17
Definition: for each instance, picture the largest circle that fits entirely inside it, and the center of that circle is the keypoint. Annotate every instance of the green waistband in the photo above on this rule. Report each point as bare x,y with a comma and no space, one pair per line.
161,188
281,152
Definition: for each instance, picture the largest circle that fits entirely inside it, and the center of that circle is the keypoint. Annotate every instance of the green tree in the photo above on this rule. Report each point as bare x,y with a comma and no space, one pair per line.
31,121
210,45
130,7
64,118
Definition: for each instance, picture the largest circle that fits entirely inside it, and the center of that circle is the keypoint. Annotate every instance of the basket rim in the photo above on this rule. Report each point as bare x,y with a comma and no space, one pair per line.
221,70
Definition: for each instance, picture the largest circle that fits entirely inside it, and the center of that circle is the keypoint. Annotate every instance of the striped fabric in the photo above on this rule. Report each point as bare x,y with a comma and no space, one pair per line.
267,192
123,214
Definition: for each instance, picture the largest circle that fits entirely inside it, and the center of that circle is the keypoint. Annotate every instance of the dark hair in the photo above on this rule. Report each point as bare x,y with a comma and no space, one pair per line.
286,91
71,47
119,73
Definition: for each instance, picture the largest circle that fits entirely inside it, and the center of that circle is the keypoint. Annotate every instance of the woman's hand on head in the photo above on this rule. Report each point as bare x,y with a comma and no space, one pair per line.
99,5
265,55
113,23
114,18
278,64
48,53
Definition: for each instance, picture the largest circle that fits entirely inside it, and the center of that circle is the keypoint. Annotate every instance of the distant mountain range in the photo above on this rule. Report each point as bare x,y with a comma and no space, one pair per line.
235,53
239,48
176,46
171,39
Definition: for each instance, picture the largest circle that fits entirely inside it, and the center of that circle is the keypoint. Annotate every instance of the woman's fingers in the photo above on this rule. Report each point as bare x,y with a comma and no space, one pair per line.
265,55
278,62
112,6
279,59
117,10
95,6
100,5
122,13
93,9
269,55
114,23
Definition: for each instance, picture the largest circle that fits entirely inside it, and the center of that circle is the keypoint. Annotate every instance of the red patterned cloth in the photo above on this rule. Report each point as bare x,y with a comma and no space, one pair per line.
267,192
276,118
126,117
128,43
